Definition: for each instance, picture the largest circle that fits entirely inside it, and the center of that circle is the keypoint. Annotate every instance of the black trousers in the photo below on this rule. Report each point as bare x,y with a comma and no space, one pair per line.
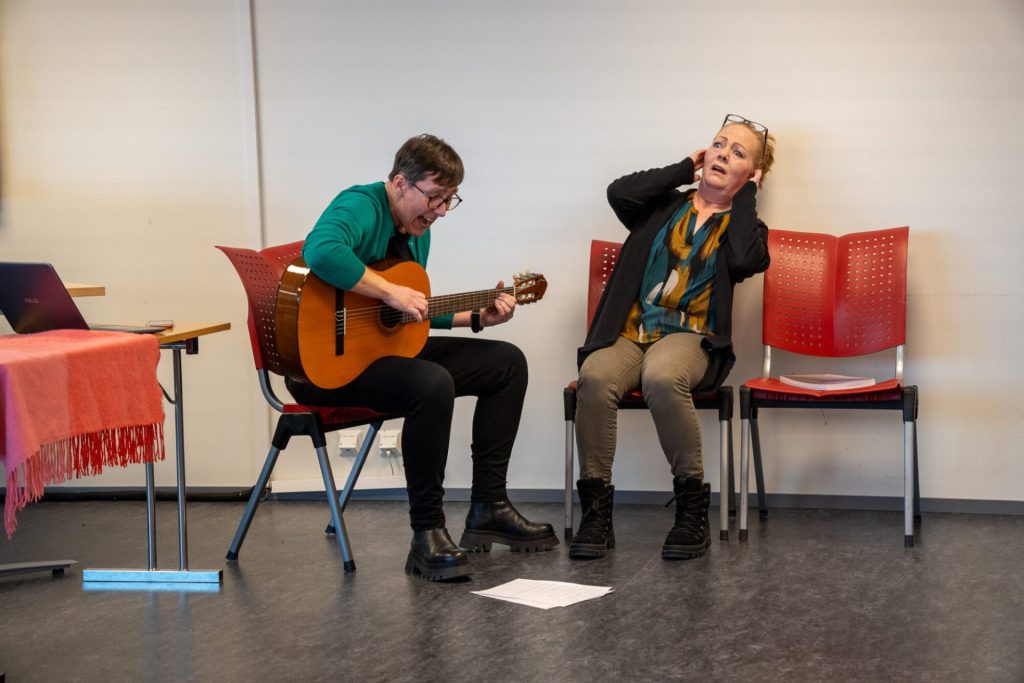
423,389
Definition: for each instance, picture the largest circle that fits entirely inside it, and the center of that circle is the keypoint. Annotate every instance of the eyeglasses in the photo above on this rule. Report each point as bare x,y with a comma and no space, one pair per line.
754,125
450,201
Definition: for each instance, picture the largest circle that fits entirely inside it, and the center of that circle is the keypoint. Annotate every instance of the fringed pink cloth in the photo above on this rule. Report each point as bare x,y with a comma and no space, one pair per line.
72,402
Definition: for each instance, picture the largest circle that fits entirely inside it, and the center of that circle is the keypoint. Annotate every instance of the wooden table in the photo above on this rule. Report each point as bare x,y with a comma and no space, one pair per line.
181,337
80,289
182,332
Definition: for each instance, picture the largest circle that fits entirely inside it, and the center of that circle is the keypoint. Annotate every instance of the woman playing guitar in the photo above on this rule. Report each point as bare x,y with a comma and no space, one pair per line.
365,224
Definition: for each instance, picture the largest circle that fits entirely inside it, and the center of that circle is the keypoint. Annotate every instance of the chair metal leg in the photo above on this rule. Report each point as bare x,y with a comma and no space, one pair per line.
726,486
353,475
733,492
744,474
332,500
755,442
357,465
909,481
569,442
917,484
254,501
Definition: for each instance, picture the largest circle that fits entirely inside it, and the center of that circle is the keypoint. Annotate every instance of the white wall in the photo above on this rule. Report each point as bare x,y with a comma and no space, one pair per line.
122,129
123,165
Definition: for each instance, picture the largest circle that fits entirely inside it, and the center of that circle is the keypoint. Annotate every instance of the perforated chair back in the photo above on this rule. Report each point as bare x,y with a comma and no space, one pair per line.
603,256
836,296
260,272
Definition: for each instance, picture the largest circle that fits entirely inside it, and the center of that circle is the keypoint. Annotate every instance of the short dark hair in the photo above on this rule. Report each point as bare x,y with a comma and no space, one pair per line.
426,155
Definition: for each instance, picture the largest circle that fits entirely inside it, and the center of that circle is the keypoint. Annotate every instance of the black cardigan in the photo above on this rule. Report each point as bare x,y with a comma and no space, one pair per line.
643,202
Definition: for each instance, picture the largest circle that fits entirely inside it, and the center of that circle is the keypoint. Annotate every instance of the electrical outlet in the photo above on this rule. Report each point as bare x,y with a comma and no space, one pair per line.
349,441
390,438
390,443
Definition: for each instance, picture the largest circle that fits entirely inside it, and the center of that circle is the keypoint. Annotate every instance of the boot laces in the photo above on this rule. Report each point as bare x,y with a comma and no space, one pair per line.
595,517
689,509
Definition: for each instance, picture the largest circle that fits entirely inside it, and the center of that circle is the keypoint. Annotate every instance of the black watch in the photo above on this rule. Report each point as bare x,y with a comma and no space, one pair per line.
474,321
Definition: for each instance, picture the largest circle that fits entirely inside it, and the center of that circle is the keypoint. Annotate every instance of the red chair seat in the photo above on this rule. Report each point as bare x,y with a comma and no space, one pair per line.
774,390
339,418
637,396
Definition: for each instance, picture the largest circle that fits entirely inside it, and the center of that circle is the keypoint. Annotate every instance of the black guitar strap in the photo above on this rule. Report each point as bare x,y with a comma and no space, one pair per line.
398,247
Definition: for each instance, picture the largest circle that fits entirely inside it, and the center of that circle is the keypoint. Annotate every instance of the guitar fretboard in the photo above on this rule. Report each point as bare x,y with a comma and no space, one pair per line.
448,304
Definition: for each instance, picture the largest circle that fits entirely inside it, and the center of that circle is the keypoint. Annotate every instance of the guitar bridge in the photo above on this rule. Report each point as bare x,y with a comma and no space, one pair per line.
340,320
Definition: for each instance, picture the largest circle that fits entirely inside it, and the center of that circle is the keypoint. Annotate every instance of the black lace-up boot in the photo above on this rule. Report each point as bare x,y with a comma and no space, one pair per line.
690,536
499,522
596,535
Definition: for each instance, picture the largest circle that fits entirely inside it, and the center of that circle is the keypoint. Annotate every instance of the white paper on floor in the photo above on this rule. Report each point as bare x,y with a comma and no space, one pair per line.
544,594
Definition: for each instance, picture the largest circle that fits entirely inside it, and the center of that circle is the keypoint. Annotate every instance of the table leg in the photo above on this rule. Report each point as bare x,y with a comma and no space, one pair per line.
179,448
151,515
103,579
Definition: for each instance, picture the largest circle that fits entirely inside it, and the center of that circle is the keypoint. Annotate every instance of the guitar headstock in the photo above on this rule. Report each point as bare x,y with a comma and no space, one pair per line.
529,287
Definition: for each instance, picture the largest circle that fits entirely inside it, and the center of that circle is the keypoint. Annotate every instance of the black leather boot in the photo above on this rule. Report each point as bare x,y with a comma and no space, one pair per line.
435,557
596,535
690,536
499,522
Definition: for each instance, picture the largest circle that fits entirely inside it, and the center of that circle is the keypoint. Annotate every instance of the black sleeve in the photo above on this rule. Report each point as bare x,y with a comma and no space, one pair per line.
746,242
633,197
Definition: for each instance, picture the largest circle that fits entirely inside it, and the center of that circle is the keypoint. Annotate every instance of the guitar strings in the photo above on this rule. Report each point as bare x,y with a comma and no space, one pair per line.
368,318
481,297
433,309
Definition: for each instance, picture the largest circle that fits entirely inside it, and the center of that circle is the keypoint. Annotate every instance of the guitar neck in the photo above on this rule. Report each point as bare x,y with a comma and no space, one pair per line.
448,304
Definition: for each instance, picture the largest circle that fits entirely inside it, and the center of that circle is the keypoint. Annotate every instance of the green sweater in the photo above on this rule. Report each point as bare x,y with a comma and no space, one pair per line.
355,230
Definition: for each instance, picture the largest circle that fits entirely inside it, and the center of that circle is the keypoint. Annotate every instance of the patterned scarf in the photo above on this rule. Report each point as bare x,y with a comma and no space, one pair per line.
677,291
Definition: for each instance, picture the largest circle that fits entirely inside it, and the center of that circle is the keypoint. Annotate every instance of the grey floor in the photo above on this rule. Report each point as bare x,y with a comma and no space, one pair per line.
812,596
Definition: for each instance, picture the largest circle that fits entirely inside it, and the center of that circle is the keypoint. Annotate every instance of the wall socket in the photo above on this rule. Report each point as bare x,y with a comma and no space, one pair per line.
390,443
349,441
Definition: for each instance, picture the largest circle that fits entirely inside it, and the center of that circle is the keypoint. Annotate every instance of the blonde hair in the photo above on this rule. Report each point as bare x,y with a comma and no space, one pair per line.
767,154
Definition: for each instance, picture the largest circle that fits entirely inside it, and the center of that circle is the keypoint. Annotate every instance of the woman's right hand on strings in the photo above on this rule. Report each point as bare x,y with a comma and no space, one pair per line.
407,300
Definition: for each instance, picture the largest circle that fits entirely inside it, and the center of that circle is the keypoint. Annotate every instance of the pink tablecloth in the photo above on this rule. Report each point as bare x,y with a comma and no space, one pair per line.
72,402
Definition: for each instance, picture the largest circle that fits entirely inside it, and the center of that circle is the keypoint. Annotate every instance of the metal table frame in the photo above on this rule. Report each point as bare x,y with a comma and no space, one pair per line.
152,575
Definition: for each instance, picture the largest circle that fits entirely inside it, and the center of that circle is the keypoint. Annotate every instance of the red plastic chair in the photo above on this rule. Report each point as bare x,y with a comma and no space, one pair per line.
260,272
603,256
831,297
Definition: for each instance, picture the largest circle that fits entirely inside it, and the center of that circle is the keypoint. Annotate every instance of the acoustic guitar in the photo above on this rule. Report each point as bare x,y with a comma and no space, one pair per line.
328,336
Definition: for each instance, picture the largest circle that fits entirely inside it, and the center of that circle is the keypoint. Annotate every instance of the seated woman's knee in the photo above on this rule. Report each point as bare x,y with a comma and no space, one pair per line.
435,383
511,356
592,380
659,384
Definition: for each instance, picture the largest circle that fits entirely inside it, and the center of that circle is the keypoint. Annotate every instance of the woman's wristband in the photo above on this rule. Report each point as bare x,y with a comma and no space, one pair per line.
474,321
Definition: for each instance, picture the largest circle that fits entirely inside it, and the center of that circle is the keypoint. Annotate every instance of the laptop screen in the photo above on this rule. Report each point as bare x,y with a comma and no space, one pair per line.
33,299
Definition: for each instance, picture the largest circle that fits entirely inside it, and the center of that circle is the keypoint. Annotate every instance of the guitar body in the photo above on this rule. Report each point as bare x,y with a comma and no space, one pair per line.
328,337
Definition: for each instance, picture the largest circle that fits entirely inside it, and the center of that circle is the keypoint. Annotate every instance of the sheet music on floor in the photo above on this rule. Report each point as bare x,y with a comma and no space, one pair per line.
544,594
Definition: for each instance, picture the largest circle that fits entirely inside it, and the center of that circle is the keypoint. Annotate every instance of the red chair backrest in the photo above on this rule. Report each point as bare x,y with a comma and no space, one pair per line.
260,272
836,296
603,256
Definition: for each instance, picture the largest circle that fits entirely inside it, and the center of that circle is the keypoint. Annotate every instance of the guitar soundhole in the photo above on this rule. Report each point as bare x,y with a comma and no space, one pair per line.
390,317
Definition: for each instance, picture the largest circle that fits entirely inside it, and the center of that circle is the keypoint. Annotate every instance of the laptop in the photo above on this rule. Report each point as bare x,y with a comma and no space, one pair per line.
33,299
